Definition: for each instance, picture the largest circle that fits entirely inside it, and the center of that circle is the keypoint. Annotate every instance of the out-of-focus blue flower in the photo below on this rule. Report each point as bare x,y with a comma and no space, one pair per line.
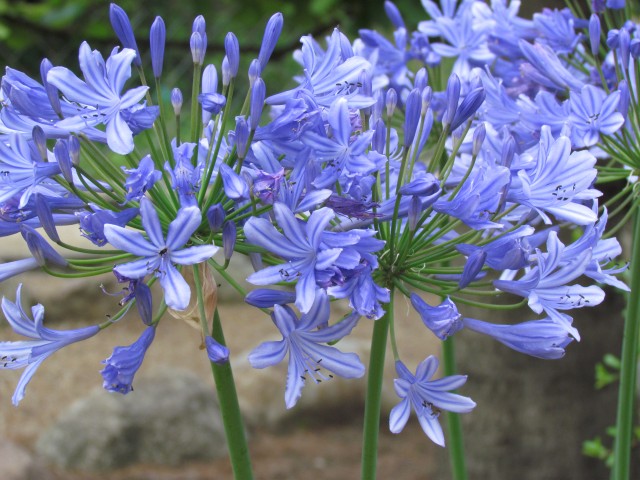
304,341
159,254
427,397
43,341
594,113
124,362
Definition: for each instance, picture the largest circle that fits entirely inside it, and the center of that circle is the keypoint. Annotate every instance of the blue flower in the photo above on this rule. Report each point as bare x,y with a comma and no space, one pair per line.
99,98
124,362
593,112
303,340
544,338
159,254
141,179
443,320
427,397
44,341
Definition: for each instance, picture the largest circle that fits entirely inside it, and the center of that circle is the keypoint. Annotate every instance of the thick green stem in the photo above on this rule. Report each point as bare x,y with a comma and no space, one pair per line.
227,395
629,366
230,409
373,401
455,443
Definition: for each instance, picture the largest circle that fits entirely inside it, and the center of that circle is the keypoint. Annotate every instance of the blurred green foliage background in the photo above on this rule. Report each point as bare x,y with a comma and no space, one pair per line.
31,30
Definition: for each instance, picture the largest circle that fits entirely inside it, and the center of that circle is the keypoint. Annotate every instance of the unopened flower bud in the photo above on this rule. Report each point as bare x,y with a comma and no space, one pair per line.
413,107
122,26
176,101
478,138
216,352
421,79
391,101
452,95
393,14
232,49
270,38
40,141
229,235
426,95
61,152
157,37
267,297
74,150
242,136
226,72
198,48
254,71
215,217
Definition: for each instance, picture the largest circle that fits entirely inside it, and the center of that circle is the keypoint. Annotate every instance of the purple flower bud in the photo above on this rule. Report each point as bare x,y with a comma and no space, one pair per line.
229,235
200,26
40,249
426,95
258,92
216,352
594,34
452,95
122,26
61,152
198,48
508,150
443,320
468,107
176,101
270,38
232,49
52,92
226,72
46,217
157,38
413,107
391,101
379,139
267,297
424,185
421,79
242,136
394,14
215,217
473,267
234,185
625,41
209,79
479,135
413,215
254,71
40,141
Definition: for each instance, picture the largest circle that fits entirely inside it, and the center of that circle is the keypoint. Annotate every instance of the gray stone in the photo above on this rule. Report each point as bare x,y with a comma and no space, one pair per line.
16,463
171,418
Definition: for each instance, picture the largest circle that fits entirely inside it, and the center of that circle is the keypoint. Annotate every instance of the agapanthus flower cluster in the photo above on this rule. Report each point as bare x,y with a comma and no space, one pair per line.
367,180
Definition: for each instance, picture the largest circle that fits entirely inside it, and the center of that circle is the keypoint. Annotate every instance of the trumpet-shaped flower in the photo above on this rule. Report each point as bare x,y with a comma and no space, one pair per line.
303,340
124,362
43,341
427,397
159,254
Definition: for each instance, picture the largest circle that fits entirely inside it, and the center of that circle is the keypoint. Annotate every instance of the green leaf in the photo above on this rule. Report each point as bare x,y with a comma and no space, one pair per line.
611,361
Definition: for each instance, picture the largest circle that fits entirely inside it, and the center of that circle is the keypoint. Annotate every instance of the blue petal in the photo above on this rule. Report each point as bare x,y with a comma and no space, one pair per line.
119,135
399,416
176,290
182,227
129,241
151,222
193,255
268,354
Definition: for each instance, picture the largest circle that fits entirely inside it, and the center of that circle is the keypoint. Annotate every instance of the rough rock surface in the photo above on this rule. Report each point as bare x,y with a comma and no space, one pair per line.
171,418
